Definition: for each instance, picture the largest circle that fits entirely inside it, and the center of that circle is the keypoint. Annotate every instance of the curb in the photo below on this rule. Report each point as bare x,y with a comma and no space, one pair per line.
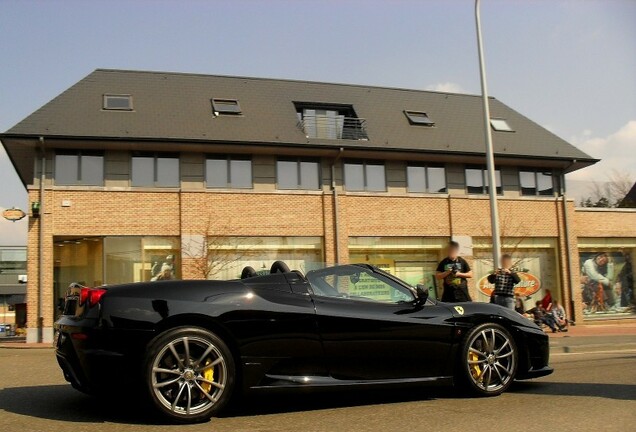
591,348
23,346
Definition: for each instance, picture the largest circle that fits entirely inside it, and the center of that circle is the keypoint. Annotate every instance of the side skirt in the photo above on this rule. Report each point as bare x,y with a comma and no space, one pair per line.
290,382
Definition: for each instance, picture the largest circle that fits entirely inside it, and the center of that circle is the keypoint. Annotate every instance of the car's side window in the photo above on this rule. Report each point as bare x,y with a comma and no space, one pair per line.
359,284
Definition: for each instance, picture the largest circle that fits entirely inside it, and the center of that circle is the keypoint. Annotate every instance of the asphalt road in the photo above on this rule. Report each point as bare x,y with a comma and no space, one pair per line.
588,392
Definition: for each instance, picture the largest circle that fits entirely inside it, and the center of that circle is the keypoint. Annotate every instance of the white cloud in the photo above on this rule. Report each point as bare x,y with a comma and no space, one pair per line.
447,87
617,152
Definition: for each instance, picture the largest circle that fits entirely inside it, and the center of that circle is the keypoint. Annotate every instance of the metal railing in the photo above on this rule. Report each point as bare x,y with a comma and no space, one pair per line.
329,127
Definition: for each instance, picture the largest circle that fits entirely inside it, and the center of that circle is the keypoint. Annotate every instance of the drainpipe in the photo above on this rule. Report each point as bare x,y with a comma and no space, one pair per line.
41,243
566,226
334,192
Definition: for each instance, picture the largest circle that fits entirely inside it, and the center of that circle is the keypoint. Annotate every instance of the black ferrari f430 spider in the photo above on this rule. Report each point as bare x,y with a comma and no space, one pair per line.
191,345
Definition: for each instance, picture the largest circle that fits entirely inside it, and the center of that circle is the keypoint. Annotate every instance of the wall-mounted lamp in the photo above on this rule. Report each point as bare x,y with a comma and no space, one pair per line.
35,209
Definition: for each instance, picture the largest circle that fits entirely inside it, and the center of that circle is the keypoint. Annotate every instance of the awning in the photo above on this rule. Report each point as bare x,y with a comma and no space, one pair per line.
12,289
16,299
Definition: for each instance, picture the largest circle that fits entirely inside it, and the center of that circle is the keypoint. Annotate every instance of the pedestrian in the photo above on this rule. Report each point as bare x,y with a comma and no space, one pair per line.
505,279
454,271
559,316
540,317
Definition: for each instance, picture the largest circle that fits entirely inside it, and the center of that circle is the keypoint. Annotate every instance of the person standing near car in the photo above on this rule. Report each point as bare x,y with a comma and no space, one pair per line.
454,271
505,280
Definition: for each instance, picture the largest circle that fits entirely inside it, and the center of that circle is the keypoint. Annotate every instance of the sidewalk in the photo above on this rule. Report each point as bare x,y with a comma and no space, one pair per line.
598,330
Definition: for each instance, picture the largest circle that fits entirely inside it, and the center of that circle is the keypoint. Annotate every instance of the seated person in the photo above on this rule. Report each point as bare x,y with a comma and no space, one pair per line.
519,305
541,317
558,312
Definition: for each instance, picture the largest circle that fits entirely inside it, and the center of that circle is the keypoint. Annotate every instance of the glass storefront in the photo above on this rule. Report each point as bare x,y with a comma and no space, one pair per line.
95,261
535,260
228,255
412,259
607,277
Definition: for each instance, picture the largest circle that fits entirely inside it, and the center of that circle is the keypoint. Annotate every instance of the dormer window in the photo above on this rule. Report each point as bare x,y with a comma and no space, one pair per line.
226,106
326,121
117,102
419,118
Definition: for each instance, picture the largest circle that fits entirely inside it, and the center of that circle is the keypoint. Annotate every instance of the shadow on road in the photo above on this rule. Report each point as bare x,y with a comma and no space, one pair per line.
61,402
609,391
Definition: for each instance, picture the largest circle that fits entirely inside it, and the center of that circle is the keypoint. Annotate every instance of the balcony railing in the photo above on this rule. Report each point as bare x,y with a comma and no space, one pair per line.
330,127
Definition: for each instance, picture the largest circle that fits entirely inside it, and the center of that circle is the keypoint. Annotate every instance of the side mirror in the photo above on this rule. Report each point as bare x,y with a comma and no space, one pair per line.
422,294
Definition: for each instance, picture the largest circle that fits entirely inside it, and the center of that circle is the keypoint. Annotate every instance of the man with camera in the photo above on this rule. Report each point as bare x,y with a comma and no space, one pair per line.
505,279
455,271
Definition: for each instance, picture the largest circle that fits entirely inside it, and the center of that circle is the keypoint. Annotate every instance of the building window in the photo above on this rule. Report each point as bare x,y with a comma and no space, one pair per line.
155,170
364,176
330,122
426,179
500,125
297,174
117,102
228,172
477,181
226,106
79,168
419,118
536,183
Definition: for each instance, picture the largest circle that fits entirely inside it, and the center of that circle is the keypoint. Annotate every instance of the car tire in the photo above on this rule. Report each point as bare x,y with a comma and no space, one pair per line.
189,374
488,360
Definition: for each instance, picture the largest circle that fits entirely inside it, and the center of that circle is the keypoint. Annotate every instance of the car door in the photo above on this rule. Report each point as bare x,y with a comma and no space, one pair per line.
372,328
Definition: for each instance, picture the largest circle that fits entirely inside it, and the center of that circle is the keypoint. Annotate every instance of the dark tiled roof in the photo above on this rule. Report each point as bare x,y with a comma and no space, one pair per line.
176,106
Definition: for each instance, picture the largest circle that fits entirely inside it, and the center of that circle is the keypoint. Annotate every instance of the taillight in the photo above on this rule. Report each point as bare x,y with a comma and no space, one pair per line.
91,296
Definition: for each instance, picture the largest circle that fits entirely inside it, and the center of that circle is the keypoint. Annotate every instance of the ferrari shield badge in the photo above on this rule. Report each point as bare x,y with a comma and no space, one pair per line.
460,310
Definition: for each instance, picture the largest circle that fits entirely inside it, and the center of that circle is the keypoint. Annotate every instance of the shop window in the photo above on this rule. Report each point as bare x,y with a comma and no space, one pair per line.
364,176
228,255
429,179
536,183
412,259
228,172
534,259
477,181
79,168
155,170
297,174
607,277
138,259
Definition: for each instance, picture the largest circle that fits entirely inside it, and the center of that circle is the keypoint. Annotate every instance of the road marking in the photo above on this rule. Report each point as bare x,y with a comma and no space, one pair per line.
629,351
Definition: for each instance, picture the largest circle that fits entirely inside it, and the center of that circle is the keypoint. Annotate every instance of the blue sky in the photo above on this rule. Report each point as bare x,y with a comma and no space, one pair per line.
569,65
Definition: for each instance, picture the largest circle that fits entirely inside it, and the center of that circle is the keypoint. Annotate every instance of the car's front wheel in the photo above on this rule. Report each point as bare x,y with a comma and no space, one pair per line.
189,374
489,360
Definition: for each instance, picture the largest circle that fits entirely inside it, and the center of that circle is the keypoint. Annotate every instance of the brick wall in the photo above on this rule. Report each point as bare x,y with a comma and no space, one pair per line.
170,213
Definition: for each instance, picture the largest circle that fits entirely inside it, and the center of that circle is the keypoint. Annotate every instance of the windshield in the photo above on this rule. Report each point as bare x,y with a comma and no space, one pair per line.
358,282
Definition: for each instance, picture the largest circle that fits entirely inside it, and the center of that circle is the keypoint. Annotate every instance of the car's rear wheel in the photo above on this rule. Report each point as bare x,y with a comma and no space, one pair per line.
189,374
489,360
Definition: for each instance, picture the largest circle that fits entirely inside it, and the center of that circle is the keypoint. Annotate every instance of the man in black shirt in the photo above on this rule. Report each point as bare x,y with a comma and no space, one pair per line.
455,271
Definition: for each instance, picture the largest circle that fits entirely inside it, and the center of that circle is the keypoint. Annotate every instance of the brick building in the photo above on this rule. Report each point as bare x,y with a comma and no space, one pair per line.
138,174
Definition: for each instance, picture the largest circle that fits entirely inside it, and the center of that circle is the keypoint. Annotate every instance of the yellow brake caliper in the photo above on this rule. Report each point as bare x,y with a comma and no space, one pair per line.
208,374
475,369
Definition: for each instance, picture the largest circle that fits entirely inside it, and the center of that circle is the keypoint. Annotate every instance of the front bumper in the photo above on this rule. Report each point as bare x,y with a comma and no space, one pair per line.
536,361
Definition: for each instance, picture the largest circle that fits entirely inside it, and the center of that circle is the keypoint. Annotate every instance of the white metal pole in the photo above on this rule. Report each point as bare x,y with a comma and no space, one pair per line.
490,158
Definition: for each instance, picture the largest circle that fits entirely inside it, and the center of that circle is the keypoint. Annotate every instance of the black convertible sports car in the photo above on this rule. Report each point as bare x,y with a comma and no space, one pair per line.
192,344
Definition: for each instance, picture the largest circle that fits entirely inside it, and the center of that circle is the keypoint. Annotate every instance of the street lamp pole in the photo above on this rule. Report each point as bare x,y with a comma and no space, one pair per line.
490,158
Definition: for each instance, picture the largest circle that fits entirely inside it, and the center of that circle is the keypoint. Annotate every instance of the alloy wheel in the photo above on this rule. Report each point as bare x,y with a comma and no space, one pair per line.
189,375
491,359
